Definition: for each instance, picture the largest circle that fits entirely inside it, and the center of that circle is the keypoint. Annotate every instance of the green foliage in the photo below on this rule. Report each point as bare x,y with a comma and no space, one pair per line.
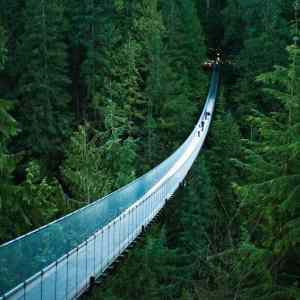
225,146
196,211
133,77
129,92
98,24
235,27
148,274
151,32
134,83
3,50
83,165
29,205
40,200
99,162
256,37
270,196
43,95
264,28
35,201
8,129
119,148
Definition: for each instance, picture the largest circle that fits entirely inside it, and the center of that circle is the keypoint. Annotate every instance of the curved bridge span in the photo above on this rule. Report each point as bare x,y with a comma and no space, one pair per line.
56,262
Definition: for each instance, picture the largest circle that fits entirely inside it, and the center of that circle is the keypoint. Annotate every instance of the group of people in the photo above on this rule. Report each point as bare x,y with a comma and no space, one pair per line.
206,115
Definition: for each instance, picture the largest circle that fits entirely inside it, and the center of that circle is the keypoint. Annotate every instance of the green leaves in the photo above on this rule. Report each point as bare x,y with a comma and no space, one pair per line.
82,169
39,199
43,95
3,50
8,124
99,162
8,162
270,197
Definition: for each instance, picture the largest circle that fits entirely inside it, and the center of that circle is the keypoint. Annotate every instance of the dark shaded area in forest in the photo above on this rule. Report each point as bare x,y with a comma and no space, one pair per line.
94,93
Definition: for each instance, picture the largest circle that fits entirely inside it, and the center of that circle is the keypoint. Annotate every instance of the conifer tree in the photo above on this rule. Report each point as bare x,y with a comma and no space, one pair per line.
99,38
197,214
3,50
130,95
186,47
119,149
8,189
193,47
270,197
83,165
98,163
43,87
8,129
235,28
39,201
182,79
265,28
152,32
197,209
11,15
225,147
264,39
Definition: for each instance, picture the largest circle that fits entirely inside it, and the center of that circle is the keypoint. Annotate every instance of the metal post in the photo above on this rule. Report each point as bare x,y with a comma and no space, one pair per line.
108,244
144,212
24,288
153,202
128,226
102,251
119,235
147,208
134,216
140,215
116,241
77,250
86,263
42,274
154,195
55,281
94,254
67,283
110,231
113,238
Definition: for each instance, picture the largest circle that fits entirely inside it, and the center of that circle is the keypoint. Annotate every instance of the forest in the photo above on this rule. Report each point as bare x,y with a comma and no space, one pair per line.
94,93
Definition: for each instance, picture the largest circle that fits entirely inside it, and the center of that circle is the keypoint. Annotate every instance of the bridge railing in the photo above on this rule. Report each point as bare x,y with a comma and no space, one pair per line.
58,260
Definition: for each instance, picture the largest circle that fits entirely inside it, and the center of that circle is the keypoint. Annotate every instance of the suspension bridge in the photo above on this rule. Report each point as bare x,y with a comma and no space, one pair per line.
57,261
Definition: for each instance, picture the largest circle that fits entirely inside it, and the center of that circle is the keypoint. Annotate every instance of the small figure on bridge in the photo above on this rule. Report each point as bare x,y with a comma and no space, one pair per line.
202,125
207,114
199,133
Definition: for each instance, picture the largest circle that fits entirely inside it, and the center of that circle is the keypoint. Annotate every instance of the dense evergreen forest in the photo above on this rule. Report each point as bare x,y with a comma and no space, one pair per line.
94,93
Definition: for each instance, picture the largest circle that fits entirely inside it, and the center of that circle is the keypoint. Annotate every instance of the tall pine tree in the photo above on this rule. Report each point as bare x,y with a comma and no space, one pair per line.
43,108
270,197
